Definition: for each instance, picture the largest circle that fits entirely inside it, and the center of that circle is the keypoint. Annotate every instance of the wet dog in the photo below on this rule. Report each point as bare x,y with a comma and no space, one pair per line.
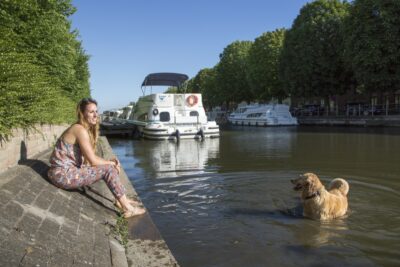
319,203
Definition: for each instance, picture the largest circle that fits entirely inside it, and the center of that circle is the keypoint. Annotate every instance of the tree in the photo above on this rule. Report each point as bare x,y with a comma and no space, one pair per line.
372,44
231,72
205,83
172,90
263,66
311,63
197,83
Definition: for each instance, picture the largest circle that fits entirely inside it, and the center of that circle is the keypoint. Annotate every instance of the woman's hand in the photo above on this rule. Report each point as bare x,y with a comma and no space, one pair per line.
117,165
116,161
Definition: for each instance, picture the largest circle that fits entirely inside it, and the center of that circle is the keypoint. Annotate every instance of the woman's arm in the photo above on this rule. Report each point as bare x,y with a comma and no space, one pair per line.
83,139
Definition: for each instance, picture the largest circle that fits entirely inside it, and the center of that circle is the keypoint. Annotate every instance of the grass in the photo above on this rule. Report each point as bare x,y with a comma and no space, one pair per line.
121,229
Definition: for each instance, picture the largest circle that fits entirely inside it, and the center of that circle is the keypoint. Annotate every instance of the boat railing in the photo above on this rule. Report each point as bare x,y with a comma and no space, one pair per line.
183,124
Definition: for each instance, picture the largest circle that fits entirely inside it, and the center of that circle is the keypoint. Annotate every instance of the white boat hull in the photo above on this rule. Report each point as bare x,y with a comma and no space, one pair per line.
263,123
176,132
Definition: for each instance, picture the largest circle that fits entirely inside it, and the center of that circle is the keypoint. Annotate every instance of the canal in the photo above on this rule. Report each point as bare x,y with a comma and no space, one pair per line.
229,201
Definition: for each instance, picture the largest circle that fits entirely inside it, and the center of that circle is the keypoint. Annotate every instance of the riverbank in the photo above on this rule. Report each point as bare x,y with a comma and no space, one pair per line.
41,225
377,120
381,120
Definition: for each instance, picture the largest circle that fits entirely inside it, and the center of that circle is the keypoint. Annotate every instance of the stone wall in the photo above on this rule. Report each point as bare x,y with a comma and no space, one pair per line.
381,121
26,143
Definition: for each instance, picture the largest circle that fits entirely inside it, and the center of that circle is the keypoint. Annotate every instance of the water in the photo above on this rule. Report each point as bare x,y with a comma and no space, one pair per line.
229,201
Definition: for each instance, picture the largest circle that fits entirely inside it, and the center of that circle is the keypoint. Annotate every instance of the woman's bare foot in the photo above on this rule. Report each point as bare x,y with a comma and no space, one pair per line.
133,211
134,203
129,207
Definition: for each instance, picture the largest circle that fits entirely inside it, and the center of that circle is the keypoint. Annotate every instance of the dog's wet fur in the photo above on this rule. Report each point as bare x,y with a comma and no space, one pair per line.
318,202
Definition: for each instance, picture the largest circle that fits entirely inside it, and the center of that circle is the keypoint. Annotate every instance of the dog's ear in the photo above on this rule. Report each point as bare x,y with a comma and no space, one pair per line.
313,183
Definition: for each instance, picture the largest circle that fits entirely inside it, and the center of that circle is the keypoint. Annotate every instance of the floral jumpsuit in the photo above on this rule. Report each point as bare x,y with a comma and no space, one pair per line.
67,170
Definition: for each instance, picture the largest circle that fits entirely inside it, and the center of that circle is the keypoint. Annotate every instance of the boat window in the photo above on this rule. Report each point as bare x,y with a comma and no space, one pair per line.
164,116
254,115
194,114
179,100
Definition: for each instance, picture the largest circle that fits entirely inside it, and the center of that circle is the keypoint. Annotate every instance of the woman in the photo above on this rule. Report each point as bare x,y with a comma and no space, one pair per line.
74,163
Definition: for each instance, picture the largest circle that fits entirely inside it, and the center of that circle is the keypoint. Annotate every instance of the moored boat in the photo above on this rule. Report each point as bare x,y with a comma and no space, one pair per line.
262,115
171,116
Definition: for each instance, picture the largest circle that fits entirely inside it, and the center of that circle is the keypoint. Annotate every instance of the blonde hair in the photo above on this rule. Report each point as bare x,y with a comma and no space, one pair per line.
92,130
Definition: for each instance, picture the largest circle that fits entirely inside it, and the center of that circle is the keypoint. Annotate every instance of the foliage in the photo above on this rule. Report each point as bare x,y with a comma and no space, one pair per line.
205,83
196,83
27,95
311,63
263,64
372,43
332,47
186,87
231,72
43,68
172,90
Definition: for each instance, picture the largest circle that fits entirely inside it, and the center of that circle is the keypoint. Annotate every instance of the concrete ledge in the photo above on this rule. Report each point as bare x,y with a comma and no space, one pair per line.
145,245
41,225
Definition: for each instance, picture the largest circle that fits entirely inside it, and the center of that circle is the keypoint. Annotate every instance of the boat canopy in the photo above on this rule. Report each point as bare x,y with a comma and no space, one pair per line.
165,79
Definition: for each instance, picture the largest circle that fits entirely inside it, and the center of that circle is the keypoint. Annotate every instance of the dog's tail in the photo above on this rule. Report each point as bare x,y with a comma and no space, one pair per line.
341,185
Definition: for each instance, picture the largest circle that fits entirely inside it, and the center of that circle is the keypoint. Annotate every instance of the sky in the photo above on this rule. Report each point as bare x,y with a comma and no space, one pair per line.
129,39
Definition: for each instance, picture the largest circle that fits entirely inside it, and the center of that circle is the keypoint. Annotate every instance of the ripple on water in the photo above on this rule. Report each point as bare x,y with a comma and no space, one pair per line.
222,212
215,213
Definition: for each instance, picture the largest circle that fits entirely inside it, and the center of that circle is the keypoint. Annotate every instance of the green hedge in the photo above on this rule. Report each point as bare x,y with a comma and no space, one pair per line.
43,68
27,95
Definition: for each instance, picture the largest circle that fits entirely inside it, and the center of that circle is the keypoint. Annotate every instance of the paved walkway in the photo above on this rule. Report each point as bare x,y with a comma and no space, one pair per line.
41,225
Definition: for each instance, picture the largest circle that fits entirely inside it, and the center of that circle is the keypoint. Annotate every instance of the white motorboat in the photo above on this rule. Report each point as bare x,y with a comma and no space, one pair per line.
262,115
126,112
111,115
171,116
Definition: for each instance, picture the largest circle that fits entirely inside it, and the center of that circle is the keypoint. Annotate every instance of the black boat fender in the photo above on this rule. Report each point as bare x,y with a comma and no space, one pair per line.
201,133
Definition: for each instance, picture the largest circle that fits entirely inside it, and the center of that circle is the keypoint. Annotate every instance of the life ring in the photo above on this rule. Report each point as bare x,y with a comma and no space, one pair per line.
192,100
155,112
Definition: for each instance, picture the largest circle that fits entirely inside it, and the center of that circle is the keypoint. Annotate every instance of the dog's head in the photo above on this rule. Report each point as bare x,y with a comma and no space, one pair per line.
307,182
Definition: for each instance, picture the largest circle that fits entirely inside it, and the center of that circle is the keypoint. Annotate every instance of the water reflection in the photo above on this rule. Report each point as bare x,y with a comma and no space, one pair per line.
317,234
273,142
171,159
250,149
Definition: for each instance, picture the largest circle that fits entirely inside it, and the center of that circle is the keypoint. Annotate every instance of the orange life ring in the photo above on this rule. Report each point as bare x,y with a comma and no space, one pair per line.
192,100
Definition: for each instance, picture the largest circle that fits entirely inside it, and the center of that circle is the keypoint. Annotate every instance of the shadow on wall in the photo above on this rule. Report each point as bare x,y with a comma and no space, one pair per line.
23,152
37,165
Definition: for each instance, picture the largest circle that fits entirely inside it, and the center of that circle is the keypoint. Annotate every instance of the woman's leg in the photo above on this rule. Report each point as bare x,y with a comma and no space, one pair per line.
110,175
87,175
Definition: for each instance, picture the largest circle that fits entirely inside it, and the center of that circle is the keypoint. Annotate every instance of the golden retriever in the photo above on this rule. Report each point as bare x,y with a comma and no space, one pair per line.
319,203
